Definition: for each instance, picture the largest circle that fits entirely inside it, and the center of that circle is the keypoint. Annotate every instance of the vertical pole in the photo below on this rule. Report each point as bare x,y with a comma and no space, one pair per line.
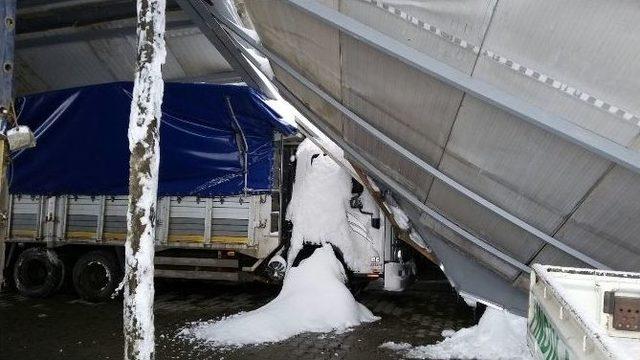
4,201
7,40
143,181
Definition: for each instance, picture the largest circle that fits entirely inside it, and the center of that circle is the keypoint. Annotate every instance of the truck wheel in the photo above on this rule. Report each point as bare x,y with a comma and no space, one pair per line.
276,268
96,276
38,272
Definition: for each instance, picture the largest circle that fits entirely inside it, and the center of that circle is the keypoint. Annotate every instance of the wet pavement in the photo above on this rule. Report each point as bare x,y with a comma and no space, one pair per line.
63,327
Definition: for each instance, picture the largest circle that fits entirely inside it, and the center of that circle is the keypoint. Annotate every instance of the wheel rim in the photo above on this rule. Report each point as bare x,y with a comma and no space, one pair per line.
276,270
35,273
96,277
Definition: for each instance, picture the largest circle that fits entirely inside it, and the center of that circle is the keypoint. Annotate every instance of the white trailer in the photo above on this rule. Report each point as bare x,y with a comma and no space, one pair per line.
583,314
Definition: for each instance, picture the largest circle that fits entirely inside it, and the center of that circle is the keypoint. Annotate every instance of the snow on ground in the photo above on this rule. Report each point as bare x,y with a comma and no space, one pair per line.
314,297
396,346
448,333
498,335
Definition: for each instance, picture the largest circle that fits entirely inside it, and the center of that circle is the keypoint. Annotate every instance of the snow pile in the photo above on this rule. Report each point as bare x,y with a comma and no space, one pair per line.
448,333
419,240
320,192
287,112
401,218
314,297
498,335
396,346
318,207
404,223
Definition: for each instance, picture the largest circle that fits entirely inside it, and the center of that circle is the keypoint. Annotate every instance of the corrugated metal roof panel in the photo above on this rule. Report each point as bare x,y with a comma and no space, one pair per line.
105,52
196,55
559,187
66,65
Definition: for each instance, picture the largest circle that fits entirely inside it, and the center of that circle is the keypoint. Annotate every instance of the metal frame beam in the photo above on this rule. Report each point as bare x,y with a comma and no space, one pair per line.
38,16
481,90
419,162
89,33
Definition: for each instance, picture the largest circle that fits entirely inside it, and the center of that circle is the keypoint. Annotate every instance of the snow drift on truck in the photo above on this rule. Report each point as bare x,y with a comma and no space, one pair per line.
314,297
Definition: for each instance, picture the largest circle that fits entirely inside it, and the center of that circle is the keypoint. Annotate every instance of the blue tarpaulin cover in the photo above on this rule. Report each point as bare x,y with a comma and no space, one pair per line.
82,144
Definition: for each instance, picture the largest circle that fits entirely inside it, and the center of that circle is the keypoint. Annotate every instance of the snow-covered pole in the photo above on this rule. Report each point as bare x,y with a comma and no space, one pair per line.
143,181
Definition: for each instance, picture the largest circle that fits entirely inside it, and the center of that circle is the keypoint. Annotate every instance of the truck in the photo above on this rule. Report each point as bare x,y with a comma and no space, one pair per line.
226,173
577,313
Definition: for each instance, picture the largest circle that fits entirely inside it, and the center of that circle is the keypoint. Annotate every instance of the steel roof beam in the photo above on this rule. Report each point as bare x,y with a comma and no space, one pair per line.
41,16
481,90
414,158
90,33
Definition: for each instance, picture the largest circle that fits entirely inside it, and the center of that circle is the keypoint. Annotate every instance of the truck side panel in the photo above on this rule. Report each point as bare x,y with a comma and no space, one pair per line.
183,221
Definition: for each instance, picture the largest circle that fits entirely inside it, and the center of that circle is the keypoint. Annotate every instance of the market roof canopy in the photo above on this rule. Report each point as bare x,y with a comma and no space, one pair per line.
82,144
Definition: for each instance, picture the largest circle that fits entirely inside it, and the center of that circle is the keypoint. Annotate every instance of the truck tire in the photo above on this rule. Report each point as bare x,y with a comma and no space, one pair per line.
38,272
96,276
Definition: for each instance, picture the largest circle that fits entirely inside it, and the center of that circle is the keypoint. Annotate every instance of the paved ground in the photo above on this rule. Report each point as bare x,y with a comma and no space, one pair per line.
64,327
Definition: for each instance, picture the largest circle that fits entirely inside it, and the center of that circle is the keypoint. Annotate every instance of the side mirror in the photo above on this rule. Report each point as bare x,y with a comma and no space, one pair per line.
20,137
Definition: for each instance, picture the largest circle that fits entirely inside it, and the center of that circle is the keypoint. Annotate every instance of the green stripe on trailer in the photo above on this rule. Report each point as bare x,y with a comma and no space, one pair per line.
544,340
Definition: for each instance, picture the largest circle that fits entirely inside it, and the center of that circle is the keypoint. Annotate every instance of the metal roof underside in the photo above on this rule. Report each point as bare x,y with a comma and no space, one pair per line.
62,44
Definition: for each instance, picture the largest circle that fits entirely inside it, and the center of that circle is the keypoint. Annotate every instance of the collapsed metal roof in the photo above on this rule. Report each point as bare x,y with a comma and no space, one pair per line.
507,129
508,133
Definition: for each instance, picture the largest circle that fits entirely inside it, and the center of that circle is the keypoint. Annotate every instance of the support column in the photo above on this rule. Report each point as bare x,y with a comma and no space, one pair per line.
7,40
